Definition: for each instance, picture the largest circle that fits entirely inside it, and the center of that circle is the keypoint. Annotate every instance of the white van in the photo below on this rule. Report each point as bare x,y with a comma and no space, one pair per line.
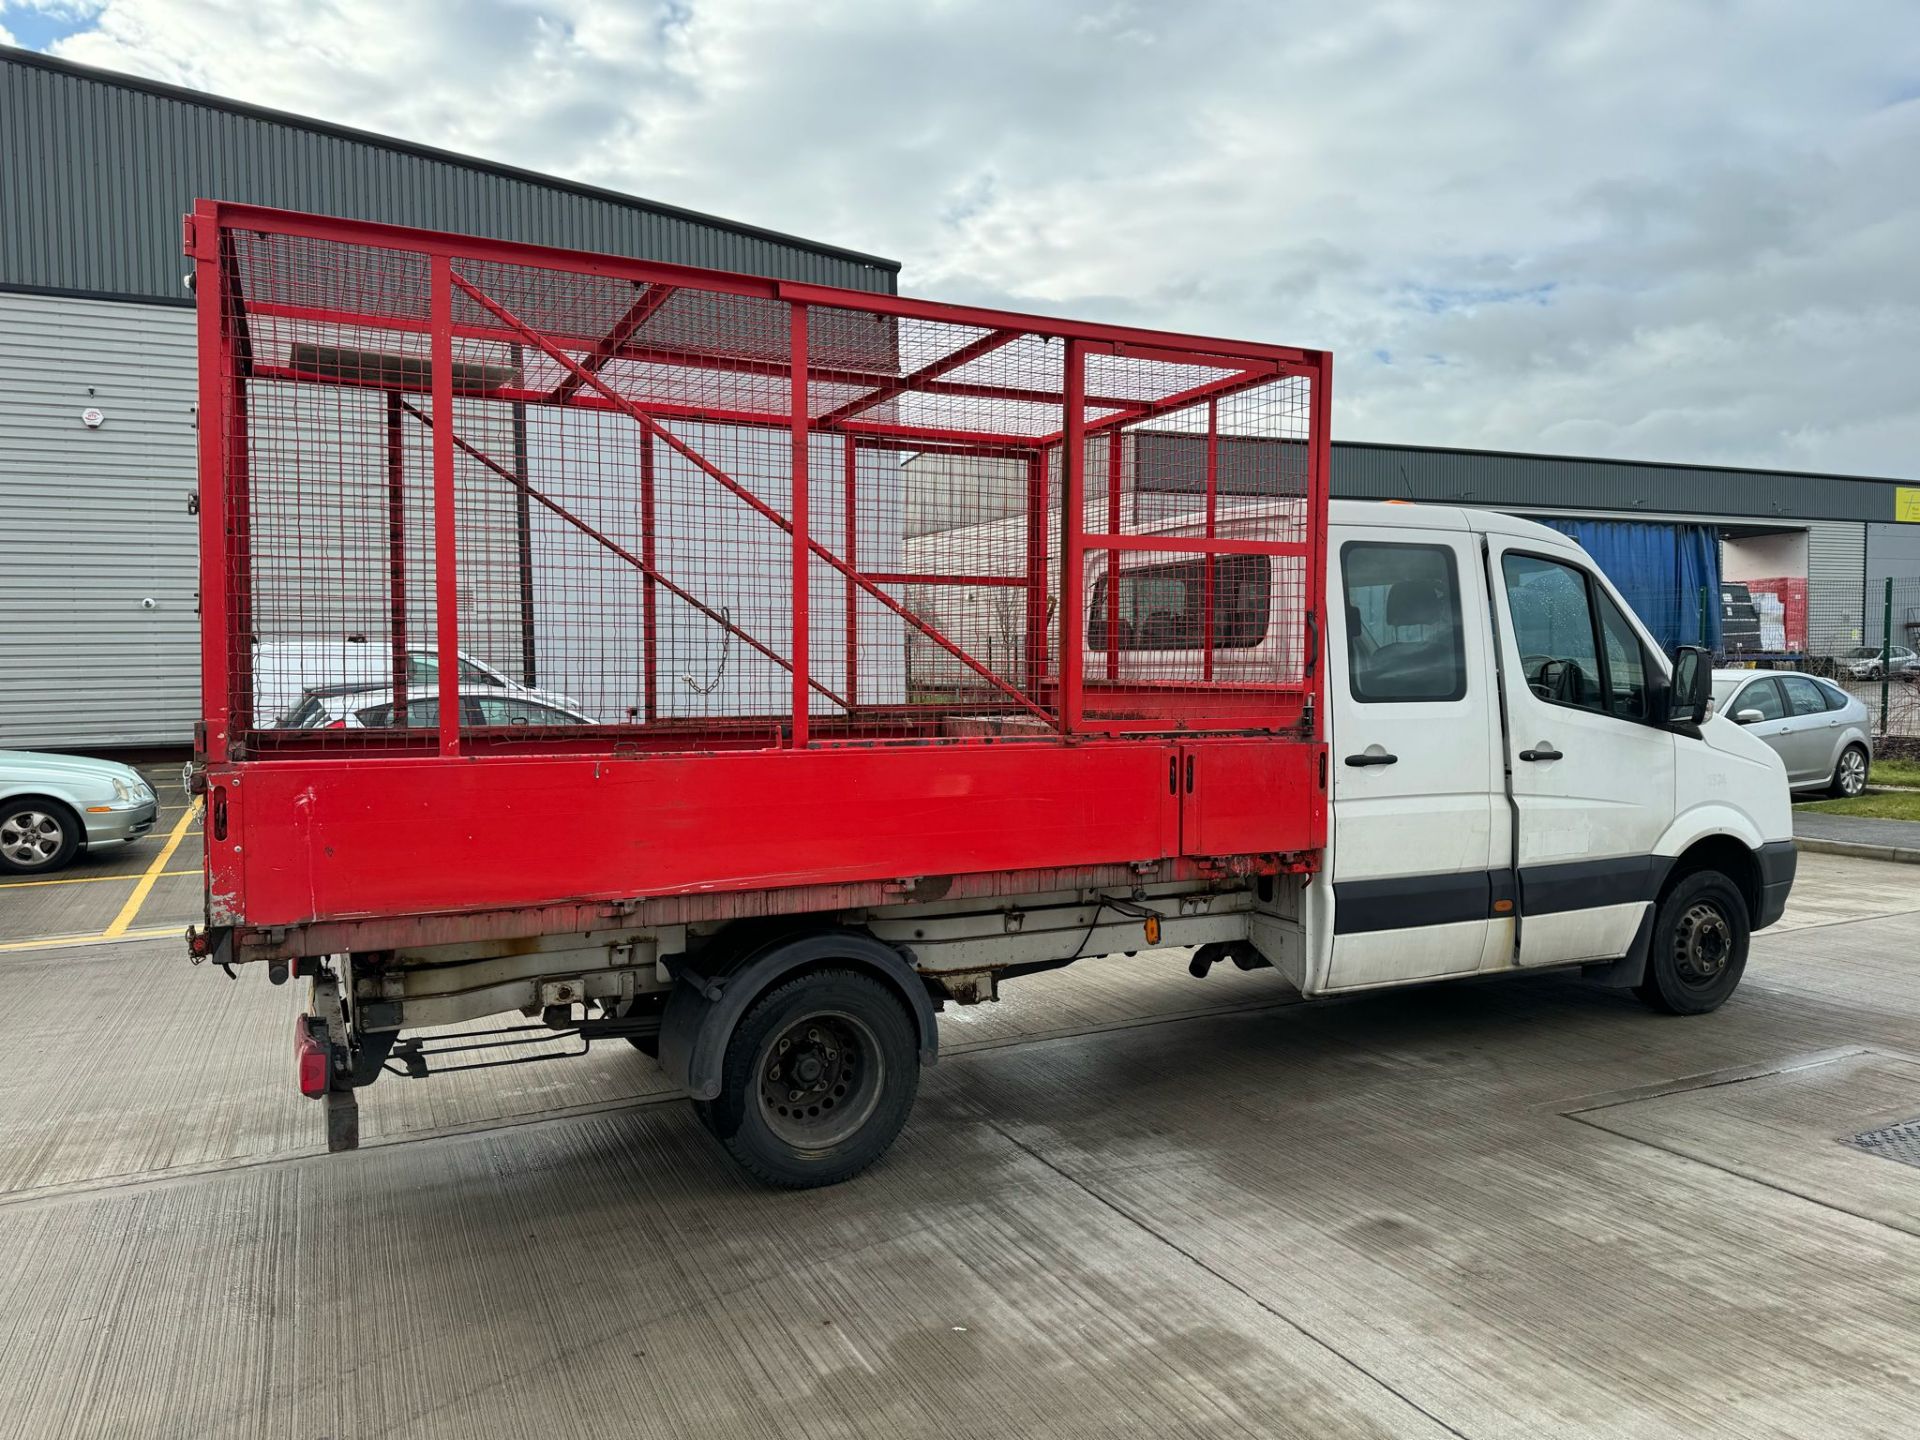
1515,778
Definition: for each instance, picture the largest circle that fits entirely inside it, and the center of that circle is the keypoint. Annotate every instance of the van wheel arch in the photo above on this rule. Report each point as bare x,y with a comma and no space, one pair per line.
720,982
1725,853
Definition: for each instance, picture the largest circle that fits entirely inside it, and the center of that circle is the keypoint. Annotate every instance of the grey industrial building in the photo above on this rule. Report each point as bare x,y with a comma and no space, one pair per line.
97,549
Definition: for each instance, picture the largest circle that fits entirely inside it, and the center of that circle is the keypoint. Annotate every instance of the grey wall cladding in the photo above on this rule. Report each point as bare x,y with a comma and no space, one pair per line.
94,524
99,169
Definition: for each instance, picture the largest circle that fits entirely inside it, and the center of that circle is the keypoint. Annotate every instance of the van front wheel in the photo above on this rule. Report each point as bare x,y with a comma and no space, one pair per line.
1699,948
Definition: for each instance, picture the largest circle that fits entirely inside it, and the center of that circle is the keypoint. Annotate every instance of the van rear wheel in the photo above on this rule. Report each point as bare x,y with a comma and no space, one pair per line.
819,1077
1699,948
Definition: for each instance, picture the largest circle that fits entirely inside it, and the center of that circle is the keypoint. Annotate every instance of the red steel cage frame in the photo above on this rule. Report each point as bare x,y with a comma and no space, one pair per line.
340,823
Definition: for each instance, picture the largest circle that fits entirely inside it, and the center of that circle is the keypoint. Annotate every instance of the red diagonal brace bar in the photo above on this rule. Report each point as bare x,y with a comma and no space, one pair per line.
1206,390
641,311
616,548
736,489
985,345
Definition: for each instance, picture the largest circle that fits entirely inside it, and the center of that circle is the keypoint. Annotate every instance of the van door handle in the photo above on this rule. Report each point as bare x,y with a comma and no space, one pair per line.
1380,758
1545,753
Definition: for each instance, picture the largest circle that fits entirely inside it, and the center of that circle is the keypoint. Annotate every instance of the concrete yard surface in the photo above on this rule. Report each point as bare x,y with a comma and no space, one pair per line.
1129,1203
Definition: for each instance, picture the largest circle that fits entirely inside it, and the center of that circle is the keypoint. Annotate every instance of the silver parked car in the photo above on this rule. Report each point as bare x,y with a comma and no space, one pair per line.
286,674
53,805
1819,731
1865,662
372,709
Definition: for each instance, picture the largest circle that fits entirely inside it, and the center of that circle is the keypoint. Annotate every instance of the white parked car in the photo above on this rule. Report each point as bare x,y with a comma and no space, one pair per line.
1821,734
287,674
52,806
373,709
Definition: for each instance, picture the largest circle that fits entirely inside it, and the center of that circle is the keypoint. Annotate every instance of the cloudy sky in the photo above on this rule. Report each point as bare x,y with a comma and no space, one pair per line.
1647,228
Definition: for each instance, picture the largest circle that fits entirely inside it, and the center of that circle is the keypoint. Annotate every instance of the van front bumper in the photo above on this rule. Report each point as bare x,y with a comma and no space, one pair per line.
1777,861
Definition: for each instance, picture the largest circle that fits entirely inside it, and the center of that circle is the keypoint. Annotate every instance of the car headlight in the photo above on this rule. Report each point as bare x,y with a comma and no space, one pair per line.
127,792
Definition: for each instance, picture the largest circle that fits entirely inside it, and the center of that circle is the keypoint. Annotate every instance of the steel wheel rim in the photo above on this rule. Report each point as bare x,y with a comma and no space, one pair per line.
1702,944
1853,772
819,1080
30,837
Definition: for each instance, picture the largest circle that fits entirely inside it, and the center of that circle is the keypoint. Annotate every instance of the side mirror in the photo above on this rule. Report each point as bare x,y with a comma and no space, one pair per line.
1748,717
1691,689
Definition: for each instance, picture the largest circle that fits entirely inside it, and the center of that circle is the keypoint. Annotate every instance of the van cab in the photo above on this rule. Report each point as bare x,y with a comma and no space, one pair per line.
1510,786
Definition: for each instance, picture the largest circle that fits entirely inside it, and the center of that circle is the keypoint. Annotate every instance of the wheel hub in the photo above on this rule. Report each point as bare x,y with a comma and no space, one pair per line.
1703,943
30,837
819,1080
1853,773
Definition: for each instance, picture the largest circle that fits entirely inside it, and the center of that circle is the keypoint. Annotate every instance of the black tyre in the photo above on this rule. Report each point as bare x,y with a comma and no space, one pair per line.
1849,774
36,835
819,1077
1699,949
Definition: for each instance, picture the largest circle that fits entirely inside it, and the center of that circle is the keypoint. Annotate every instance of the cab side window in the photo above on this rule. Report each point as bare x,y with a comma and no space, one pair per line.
1163,607
1626,663
1554,631
1404,636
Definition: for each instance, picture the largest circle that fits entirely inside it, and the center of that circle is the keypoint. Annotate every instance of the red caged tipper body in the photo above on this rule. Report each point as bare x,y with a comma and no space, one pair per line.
554,601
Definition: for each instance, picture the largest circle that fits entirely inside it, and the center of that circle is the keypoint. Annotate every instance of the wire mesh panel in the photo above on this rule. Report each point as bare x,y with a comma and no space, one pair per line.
1200,534
481,495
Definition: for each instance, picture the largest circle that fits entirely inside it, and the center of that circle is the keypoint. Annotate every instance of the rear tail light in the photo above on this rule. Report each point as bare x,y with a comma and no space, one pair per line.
312,1057
340,724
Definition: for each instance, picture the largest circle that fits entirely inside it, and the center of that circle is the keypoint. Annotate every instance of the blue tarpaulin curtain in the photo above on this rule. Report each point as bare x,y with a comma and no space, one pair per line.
1669,574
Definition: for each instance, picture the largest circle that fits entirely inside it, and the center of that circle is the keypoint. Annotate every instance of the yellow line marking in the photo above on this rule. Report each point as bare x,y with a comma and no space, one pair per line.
61,942
91,879
140,892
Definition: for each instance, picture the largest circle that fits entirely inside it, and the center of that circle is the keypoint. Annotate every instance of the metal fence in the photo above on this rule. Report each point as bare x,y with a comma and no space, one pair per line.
1864,641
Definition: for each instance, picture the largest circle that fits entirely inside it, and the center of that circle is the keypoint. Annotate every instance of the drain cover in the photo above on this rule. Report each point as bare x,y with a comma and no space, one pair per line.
1895,1142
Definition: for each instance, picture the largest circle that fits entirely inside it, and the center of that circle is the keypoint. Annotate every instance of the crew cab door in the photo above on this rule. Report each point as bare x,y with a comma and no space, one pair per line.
1592,764
1415,736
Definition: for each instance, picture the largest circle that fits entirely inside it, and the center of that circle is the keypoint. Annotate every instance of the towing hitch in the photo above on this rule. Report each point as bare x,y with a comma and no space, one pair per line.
331,1062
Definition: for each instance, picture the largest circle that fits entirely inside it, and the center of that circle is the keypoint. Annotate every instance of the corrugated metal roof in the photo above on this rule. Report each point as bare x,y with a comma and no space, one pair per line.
100,167
1514,480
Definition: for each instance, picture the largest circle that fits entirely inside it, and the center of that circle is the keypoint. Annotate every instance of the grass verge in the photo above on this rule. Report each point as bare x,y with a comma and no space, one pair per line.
1884,805
1896,772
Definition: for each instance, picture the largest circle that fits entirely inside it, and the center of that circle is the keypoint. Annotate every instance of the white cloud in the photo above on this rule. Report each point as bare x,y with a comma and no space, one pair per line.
1625,228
